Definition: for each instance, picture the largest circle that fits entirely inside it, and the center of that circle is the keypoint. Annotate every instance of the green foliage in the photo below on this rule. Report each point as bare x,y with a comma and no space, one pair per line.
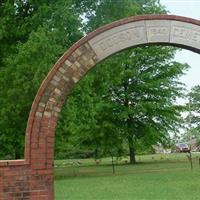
107,11
193,118
33,36
130,96
126,95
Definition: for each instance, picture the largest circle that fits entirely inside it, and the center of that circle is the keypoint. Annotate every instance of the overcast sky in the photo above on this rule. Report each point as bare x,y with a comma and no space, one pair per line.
187,8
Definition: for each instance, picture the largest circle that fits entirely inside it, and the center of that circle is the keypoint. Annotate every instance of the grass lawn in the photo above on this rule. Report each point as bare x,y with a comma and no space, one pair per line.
156,177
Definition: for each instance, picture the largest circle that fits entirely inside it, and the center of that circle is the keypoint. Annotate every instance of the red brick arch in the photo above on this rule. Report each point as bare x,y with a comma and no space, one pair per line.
32,177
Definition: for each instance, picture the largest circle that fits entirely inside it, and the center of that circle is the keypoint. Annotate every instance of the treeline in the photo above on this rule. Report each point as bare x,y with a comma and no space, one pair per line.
125,104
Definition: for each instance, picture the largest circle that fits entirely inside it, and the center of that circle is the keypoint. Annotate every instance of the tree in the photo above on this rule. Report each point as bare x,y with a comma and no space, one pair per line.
144,95
193,118
137,89
33,35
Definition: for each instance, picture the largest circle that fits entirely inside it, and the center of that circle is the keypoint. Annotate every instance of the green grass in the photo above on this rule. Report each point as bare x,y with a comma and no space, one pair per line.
156,177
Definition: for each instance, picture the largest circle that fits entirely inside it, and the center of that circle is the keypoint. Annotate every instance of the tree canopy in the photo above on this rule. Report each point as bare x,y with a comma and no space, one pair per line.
131,97
192,119
125,102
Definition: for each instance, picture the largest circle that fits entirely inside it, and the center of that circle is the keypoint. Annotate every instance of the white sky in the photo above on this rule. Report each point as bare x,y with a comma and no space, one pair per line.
187,8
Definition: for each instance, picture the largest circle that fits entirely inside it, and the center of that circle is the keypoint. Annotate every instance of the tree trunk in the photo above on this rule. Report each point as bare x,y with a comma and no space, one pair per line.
131,150
17,154
96,153
129,122
113,165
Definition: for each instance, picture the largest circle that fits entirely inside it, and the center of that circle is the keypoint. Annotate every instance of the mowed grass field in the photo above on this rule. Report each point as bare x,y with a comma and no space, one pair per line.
155,177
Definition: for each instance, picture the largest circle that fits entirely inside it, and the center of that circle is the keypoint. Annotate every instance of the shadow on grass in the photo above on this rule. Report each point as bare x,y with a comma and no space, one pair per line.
66,169
106,170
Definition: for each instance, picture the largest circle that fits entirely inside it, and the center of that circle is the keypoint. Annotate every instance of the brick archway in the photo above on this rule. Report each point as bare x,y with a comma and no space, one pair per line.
32,177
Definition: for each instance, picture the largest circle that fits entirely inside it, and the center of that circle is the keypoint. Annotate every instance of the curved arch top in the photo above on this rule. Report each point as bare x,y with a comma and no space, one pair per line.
96,46
148,30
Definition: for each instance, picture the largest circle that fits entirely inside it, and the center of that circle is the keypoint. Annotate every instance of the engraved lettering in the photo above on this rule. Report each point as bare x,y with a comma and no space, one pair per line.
187,34
158,31
102,46
196,37
119,38
180,32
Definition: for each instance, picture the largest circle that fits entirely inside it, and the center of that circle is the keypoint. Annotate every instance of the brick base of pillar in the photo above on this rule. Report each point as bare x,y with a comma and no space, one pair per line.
23,183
